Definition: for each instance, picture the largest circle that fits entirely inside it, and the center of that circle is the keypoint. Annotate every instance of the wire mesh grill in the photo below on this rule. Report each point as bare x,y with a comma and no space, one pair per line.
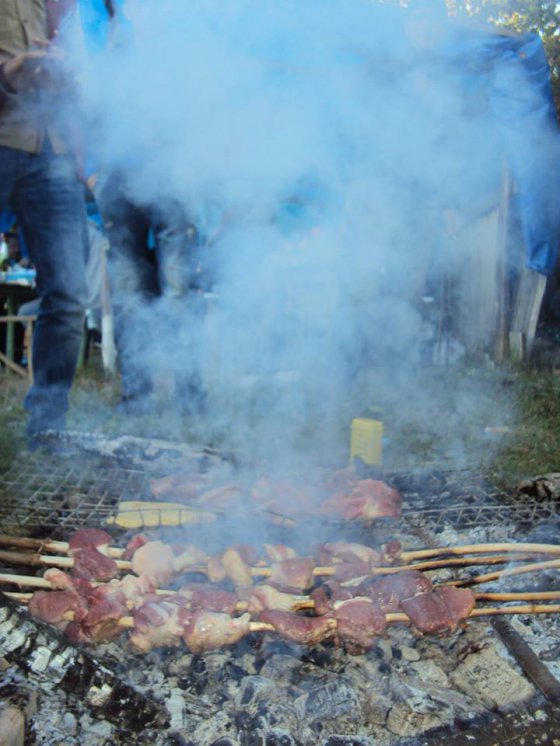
66,493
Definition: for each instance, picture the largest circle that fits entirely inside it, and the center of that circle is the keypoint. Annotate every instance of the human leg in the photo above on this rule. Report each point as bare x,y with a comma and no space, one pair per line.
49,202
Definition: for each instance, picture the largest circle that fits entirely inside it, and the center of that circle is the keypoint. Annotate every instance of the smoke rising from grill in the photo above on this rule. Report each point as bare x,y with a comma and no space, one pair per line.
331,153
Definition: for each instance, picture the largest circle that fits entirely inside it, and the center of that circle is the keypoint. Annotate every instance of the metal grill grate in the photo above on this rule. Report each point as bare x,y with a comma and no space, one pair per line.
68,492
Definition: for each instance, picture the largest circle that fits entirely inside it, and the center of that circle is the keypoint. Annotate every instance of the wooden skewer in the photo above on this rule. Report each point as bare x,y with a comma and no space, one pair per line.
34,559
497,575
310,604
481,548
128,621
49,545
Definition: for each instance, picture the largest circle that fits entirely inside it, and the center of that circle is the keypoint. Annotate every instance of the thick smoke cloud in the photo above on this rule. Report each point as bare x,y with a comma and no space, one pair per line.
322,147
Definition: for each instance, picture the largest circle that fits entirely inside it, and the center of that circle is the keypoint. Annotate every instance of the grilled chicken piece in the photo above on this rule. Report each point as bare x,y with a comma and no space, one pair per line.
87,547
327,593
155,560
358,622
187,557
233,563
204,596
158,624
208,630
50,606
292,574
301,629
266,597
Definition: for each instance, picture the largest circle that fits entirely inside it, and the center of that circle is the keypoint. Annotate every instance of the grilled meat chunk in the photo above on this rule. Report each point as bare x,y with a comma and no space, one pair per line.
358,621
292,574
327,593
50,606
87,550
208,630
266,597
301,629
205,596
158,624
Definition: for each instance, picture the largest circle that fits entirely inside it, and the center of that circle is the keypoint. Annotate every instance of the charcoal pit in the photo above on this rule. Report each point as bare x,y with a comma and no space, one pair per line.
408,690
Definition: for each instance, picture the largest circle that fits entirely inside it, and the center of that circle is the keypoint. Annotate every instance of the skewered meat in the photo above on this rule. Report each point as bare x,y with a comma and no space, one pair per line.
187,557
327,593
86,548
266,597
283,497
205,596
345,551
352,573
427,612
135,543
389,590
368,500
156,561
301,629
233,563
359,622
208,630
158,623
459,602
50,606
292,574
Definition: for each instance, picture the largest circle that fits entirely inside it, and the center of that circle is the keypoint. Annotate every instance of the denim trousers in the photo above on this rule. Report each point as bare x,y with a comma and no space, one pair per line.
47,197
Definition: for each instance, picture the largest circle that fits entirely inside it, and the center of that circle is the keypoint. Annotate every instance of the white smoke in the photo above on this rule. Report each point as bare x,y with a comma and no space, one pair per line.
320,144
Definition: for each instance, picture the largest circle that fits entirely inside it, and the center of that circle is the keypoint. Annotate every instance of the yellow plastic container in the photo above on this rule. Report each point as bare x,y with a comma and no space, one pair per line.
366,441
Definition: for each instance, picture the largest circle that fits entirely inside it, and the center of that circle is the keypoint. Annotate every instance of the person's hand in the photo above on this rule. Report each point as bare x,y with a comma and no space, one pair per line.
44,67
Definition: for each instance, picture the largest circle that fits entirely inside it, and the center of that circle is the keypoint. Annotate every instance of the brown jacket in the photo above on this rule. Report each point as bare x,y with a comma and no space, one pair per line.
27,118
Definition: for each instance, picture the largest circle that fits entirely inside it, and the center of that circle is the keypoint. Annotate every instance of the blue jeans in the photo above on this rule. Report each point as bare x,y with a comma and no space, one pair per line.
48,199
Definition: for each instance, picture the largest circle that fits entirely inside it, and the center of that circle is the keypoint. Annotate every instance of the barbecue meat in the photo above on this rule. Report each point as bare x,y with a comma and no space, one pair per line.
182,488
388,591
87,548
351,552
233,563
155,560
208,630
368,500
158,624
187,557
352,573
266,597
327,593
358,622
301,629
428,613
292,574
204,596
459,602
102,621
50,606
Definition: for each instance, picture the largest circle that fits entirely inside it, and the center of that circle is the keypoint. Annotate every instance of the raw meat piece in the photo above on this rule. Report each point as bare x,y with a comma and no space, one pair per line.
266,597
359,621
86,549
327,593
292,574
204,596
459,602
155,560
428,613
50,606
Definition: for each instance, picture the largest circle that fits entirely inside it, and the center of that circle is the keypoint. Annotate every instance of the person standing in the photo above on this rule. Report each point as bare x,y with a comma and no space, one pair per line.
39,180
